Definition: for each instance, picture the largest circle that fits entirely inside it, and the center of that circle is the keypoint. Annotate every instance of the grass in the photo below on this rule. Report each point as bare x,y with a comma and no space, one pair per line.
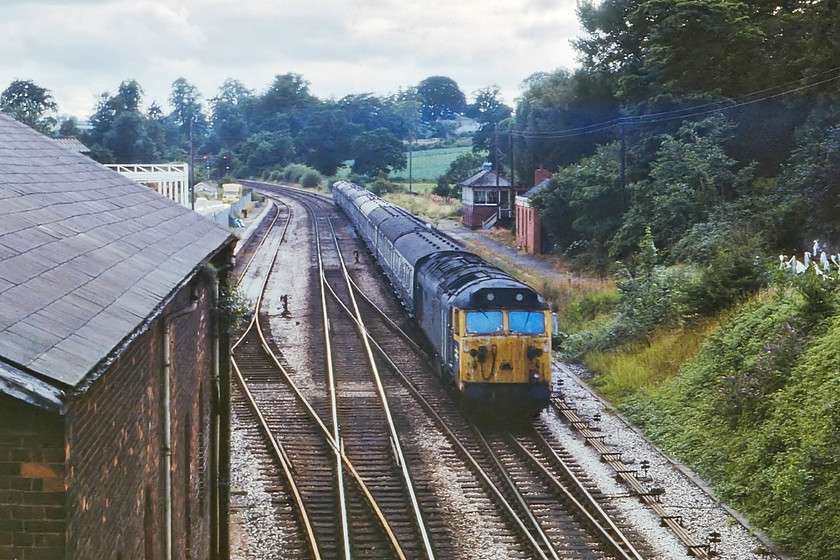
430,164
431,207
622,373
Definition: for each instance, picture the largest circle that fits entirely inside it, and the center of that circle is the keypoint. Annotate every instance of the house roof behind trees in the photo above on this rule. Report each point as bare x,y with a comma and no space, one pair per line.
86,257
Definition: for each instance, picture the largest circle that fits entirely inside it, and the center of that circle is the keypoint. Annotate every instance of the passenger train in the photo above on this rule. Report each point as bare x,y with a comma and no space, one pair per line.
490,332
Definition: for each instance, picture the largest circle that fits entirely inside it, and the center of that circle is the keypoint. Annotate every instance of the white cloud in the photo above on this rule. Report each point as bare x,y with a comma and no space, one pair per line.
79,49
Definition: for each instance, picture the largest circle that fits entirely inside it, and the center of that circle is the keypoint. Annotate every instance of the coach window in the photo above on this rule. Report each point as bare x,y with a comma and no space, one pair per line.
526,322
484,322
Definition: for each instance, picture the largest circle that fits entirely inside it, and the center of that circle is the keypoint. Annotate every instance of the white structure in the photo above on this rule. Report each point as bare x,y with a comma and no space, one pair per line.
169,179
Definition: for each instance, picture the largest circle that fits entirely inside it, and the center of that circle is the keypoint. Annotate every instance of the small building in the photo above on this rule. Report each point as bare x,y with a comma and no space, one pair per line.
486,199
206,190
113,363
528,227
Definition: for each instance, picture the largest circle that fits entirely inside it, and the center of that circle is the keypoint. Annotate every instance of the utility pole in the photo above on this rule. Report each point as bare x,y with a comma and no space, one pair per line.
622,178
191,172
410,156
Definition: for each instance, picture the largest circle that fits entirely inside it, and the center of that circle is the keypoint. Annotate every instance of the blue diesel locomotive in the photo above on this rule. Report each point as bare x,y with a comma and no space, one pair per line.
490,332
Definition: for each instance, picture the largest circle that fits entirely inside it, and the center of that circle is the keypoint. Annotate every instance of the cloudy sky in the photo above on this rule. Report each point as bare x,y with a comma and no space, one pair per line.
79,49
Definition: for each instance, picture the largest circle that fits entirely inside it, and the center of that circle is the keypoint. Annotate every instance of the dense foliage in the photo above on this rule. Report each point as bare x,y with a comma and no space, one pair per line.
696,139
240,133
681,113
754,412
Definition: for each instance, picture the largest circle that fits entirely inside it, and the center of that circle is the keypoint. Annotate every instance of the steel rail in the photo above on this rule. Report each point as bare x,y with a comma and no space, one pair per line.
279,451
341,457
623,548
456,442
310,410
262,241
613,460
336,431
400,457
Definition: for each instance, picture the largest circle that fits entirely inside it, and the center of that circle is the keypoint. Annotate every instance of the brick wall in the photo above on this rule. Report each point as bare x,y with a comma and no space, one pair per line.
31,482
114,435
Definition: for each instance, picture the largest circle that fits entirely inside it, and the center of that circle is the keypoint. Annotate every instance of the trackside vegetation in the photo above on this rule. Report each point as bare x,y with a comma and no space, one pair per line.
696,142
747,395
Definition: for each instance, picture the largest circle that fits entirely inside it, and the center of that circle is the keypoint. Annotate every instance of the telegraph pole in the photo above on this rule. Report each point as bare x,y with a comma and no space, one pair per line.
191,172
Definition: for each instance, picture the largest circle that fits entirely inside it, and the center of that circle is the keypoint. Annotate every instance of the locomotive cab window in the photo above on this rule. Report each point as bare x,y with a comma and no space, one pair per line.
526,322
484,322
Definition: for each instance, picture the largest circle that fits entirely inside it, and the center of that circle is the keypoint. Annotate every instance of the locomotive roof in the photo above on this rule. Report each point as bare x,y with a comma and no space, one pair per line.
473,283
86,257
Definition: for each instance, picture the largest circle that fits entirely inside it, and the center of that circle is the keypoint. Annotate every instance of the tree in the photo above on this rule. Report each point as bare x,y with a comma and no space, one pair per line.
228,121
187,111
581,208
121,133
377,150
560,118
440,97
462,167
325,142
691,176
30,104
265,150
489,111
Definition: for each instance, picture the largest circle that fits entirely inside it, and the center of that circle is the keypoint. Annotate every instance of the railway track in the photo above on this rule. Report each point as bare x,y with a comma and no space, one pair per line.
366,436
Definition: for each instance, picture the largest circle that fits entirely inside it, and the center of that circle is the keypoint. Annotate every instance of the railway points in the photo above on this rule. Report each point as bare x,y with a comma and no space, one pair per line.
468,496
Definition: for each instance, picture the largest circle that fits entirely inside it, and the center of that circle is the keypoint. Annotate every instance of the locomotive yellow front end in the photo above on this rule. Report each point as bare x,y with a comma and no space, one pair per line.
503,358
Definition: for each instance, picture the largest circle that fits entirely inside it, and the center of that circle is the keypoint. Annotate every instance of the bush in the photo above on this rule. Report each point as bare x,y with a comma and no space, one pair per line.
293,172
311,179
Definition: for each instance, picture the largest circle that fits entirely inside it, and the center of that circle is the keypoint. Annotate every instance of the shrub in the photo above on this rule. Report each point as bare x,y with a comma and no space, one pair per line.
311,179
293,172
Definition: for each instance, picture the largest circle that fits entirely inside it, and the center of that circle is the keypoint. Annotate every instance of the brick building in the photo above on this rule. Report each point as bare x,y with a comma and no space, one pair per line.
528,228
486,198
112,364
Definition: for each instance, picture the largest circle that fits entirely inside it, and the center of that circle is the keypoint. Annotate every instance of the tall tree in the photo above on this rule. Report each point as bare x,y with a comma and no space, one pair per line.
489,110
228,119
187,110
30,104
560,118
441,97
120,132
377,150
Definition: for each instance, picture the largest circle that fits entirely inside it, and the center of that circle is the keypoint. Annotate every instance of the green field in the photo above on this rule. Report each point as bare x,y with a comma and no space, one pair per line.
430,164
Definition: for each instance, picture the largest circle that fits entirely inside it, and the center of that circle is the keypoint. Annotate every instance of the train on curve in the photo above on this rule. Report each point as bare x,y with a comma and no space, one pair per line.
491,333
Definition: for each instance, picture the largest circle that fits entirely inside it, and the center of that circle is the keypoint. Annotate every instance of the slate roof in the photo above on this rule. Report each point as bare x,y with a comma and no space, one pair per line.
73,143
86,256
484,178
537,188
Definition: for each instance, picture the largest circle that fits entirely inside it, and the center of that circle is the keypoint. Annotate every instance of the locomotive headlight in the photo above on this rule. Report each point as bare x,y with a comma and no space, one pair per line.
491,296
519,297
533,376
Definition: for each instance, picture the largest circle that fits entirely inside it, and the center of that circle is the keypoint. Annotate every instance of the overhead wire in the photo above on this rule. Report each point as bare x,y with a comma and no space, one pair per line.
686,113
